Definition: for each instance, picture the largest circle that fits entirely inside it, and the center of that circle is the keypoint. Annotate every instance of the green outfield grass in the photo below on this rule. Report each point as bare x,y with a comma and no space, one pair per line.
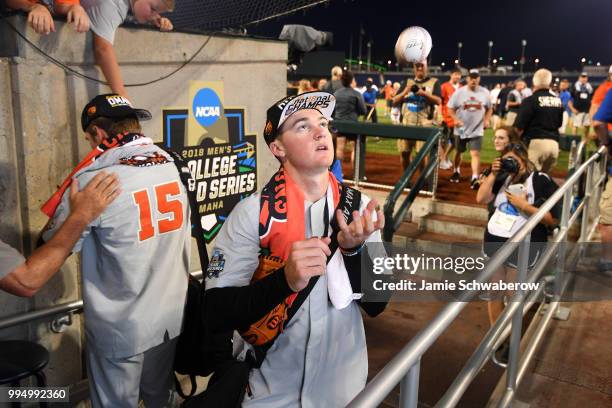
487,154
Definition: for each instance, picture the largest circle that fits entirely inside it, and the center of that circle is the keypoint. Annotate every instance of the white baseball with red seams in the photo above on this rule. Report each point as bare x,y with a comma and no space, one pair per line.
413,45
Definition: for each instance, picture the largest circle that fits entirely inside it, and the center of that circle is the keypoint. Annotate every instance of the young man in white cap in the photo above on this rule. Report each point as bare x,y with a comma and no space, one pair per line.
289,245
470,109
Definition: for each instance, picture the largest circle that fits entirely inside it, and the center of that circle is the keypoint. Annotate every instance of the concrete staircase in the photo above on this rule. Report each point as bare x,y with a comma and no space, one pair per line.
448,229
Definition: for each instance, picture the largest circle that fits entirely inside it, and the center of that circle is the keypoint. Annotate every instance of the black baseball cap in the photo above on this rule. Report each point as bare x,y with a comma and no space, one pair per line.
111,106
276,115
474,73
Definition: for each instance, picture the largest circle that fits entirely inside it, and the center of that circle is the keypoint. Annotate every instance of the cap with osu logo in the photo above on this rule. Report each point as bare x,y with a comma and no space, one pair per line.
324,102
111,106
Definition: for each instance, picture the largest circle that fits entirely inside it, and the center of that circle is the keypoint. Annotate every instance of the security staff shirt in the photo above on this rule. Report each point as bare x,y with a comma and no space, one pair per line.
540,116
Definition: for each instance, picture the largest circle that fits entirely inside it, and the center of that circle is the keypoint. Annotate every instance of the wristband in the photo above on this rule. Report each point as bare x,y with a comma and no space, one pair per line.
352,251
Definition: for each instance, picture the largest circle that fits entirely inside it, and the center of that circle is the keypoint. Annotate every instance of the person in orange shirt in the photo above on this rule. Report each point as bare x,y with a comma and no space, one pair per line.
39,14
447,89
598,97
389,92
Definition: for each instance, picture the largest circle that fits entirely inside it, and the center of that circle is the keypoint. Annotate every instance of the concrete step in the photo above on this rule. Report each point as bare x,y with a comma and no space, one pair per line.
453,226
436,243
474,212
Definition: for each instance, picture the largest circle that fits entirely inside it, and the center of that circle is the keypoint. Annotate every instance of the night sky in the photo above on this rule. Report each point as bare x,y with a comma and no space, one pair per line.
558,32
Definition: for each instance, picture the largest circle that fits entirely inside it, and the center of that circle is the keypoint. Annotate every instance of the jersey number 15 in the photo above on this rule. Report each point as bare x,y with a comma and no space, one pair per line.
167,204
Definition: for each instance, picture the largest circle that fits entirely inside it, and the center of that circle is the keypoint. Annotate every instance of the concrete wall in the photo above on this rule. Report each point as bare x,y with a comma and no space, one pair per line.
41,139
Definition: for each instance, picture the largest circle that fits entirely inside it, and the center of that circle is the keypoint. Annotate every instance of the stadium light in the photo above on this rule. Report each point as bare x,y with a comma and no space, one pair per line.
583,60
523,45
494,61
456,61
489,55
459,46
598,64
537,61
515,62
442,64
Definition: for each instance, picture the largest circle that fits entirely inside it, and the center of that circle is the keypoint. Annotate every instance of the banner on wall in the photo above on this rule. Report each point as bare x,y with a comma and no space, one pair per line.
222,157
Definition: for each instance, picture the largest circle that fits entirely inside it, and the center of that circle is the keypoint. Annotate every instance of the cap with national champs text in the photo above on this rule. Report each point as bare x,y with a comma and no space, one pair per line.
111,106
276,115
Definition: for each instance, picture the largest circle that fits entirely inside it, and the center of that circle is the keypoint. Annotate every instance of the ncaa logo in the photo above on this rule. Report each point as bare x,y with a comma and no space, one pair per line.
206,107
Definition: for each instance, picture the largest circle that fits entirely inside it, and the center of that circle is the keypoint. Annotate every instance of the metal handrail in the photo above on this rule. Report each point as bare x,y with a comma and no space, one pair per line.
405,365
63,309
430,135
395,220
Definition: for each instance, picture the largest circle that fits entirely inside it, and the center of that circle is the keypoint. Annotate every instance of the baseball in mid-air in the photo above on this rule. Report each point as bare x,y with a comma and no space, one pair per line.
413,45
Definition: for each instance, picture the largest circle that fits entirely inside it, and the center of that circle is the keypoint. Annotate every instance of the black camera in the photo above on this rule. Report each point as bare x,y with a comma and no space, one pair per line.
510,165
414,88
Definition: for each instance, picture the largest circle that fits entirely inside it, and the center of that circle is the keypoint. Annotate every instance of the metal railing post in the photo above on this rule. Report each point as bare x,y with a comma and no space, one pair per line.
587,204
562,250
409,387
357,161
517,319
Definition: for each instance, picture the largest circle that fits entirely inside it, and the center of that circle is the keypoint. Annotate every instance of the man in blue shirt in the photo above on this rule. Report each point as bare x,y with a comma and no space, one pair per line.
566,97
601,123
369,96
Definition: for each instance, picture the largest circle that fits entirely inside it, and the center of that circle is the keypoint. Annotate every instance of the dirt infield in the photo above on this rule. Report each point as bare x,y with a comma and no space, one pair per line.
386,169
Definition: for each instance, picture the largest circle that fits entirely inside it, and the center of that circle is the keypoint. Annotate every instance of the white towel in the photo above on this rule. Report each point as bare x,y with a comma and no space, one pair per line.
338,283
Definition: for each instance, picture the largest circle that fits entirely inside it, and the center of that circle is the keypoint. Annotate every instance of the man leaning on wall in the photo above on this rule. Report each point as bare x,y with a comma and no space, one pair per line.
106,16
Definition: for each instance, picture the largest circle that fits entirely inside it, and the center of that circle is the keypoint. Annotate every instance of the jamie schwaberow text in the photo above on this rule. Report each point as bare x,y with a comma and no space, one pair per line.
446,286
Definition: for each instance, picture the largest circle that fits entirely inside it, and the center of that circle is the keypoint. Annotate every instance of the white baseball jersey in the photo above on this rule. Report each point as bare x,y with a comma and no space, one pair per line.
135,256
321,358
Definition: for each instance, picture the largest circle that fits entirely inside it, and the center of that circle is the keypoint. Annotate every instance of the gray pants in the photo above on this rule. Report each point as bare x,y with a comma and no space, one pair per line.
122,382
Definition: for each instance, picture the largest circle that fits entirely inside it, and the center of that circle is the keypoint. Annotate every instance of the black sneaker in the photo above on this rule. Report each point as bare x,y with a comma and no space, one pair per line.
455,177
474,184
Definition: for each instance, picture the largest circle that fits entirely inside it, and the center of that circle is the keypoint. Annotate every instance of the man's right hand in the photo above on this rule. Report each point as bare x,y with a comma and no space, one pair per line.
307,258
40,19
90,202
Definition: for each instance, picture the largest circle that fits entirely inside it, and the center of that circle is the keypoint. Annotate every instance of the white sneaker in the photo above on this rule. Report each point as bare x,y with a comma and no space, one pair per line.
446,164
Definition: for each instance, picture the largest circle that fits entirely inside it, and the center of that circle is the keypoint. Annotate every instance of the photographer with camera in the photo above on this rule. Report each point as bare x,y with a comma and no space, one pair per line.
417,97
516,190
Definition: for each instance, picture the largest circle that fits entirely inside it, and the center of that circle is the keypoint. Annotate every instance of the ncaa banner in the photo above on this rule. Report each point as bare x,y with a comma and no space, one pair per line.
213,141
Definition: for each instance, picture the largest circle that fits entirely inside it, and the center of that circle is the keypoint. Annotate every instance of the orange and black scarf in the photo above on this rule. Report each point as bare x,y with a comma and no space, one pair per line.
281,223
120,139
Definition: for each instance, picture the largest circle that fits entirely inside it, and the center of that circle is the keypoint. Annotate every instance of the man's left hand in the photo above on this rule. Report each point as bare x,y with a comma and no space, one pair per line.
362,226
